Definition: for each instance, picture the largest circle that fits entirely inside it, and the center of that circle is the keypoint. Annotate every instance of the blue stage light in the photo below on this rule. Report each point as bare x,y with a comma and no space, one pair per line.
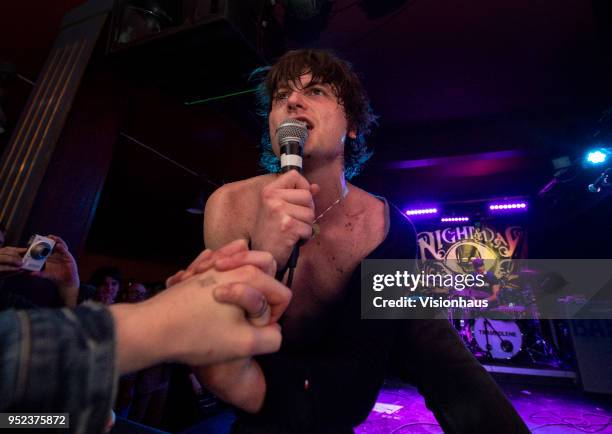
598,156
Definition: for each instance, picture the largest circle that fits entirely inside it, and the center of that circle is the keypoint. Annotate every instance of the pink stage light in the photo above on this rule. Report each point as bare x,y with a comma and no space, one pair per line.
454,219
516,206
421,211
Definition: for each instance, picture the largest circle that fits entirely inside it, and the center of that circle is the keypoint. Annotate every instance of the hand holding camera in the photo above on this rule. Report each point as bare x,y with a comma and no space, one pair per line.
48,258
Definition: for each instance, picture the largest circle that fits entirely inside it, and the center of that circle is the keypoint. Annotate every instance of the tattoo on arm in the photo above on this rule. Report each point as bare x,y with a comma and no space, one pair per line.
207,281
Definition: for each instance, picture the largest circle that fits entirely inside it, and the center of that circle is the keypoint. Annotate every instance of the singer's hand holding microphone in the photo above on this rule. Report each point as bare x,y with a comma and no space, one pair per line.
286,210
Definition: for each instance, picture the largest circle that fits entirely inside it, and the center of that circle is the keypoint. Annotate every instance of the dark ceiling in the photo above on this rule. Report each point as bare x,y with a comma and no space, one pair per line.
475,98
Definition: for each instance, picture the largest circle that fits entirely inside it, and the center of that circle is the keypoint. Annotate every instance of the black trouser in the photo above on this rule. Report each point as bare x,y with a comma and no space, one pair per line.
429,353
457,389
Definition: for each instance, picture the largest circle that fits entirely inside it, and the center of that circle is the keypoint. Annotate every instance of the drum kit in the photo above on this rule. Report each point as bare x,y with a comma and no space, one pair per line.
494,339
498,339
506,331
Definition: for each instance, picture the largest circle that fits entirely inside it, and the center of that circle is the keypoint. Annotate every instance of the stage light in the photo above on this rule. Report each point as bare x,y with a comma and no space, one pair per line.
509,206
598,156
454,219
421,211
562,162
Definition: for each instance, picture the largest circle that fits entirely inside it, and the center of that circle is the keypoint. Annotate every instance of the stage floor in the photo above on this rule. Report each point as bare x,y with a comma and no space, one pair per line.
401,410
546,410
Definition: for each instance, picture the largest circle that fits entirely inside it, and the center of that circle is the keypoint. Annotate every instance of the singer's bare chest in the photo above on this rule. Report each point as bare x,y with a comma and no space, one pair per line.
327,261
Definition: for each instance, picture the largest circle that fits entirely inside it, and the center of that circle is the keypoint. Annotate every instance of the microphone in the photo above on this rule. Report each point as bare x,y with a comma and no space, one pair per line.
601,181
291,135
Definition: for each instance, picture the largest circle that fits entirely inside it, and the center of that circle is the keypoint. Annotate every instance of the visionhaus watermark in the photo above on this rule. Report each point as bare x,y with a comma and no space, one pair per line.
422,282
494,288
412,281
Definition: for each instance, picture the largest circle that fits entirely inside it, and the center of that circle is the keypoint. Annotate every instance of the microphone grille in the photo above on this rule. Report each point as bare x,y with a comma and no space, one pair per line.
292,130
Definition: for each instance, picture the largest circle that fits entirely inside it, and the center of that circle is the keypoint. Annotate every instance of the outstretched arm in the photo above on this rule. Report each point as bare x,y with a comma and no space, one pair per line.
186,323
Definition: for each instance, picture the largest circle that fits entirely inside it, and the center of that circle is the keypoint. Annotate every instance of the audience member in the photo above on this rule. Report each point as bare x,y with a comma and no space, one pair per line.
107,281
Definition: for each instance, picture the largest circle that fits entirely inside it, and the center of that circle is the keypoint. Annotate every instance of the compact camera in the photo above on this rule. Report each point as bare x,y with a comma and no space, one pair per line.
39,250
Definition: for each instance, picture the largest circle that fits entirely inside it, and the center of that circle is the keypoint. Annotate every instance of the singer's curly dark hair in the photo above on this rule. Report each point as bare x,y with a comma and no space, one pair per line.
325,68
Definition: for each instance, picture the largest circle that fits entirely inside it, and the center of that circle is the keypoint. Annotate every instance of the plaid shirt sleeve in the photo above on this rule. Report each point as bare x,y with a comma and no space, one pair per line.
59,360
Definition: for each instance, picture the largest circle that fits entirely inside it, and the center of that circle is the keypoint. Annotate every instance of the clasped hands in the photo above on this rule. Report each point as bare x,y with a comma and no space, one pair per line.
242,280
223,307
248,302
262,298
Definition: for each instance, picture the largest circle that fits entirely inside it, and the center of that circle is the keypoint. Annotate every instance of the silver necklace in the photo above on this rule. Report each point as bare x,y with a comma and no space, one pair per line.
316,229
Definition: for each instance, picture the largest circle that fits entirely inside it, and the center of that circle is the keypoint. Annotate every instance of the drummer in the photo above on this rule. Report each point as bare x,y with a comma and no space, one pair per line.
491,285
